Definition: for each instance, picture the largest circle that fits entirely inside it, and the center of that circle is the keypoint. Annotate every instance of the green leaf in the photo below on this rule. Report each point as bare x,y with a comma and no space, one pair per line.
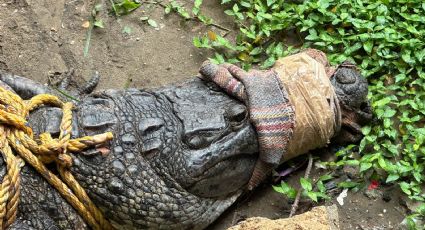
167,9
256,51
197,42
368,45
197,3
382,102
365,166
125,7
285,189
99,23
269,62
235,8
279,50
306,184
312,196
270,2
406,56
325,177
405,187
321,186
389,113
152,23
127,30
392,177
348,184
366,130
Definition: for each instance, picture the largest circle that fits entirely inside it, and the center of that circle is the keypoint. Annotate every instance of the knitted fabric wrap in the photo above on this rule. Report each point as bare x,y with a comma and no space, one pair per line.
270,110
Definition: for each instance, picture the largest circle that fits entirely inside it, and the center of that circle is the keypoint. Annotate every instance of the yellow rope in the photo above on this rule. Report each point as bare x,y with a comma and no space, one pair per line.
17,135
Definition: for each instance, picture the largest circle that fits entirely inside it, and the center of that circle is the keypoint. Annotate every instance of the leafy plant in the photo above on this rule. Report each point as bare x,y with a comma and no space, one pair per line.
124,7
174,6
92,23
316,192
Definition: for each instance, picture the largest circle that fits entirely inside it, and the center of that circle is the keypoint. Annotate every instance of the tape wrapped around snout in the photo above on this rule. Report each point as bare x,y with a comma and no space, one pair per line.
317,112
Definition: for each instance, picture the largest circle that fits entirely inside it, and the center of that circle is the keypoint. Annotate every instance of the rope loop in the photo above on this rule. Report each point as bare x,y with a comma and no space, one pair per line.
18,146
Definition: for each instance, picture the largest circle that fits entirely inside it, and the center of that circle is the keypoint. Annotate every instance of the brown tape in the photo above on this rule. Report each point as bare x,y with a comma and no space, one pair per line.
317,116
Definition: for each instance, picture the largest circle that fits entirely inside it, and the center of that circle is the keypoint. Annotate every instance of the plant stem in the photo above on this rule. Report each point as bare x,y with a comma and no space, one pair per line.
306,175
113,8
88,37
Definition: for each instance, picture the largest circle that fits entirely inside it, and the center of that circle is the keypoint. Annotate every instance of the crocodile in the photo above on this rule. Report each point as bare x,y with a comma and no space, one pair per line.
181,154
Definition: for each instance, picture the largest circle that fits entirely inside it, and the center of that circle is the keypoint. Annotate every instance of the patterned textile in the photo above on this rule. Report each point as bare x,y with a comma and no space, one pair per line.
270,110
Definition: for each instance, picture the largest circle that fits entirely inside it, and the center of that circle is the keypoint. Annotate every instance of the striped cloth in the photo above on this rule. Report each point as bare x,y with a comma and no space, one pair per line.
269,107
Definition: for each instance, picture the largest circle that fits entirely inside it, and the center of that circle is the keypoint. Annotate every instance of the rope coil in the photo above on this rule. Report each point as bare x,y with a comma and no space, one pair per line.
17,137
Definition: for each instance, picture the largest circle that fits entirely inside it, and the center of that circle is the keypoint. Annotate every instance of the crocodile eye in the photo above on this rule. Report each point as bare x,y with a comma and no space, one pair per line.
149,125
196,141
237,113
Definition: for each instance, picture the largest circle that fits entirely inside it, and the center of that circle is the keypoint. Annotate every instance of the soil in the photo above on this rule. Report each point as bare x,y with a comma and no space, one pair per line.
41,38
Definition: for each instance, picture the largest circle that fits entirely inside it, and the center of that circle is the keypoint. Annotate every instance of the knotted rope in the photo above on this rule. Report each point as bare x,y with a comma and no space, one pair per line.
17,137
293,106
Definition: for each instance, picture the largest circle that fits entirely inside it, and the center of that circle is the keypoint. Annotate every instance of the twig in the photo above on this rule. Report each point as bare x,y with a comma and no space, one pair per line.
216,25
306,175
235,217
156,3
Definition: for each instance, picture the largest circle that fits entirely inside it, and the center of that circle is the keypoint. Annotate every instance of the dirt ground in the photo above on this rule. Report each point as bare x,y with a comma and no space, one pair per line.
39,38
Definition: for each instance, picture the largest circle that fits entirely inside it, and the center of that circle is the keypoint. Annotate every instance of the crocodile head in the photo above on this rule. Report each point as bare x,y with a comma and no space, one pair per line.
180,155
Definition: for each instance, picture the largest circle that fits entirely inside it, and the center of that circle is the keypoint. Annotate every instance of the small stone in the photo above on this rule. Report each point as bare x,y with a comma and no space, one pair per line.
373,194
386,197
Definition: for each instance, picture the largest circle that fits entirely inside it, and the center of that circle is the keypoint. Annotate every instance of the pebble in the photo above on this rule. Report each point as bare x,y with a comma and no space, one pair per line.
373,194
